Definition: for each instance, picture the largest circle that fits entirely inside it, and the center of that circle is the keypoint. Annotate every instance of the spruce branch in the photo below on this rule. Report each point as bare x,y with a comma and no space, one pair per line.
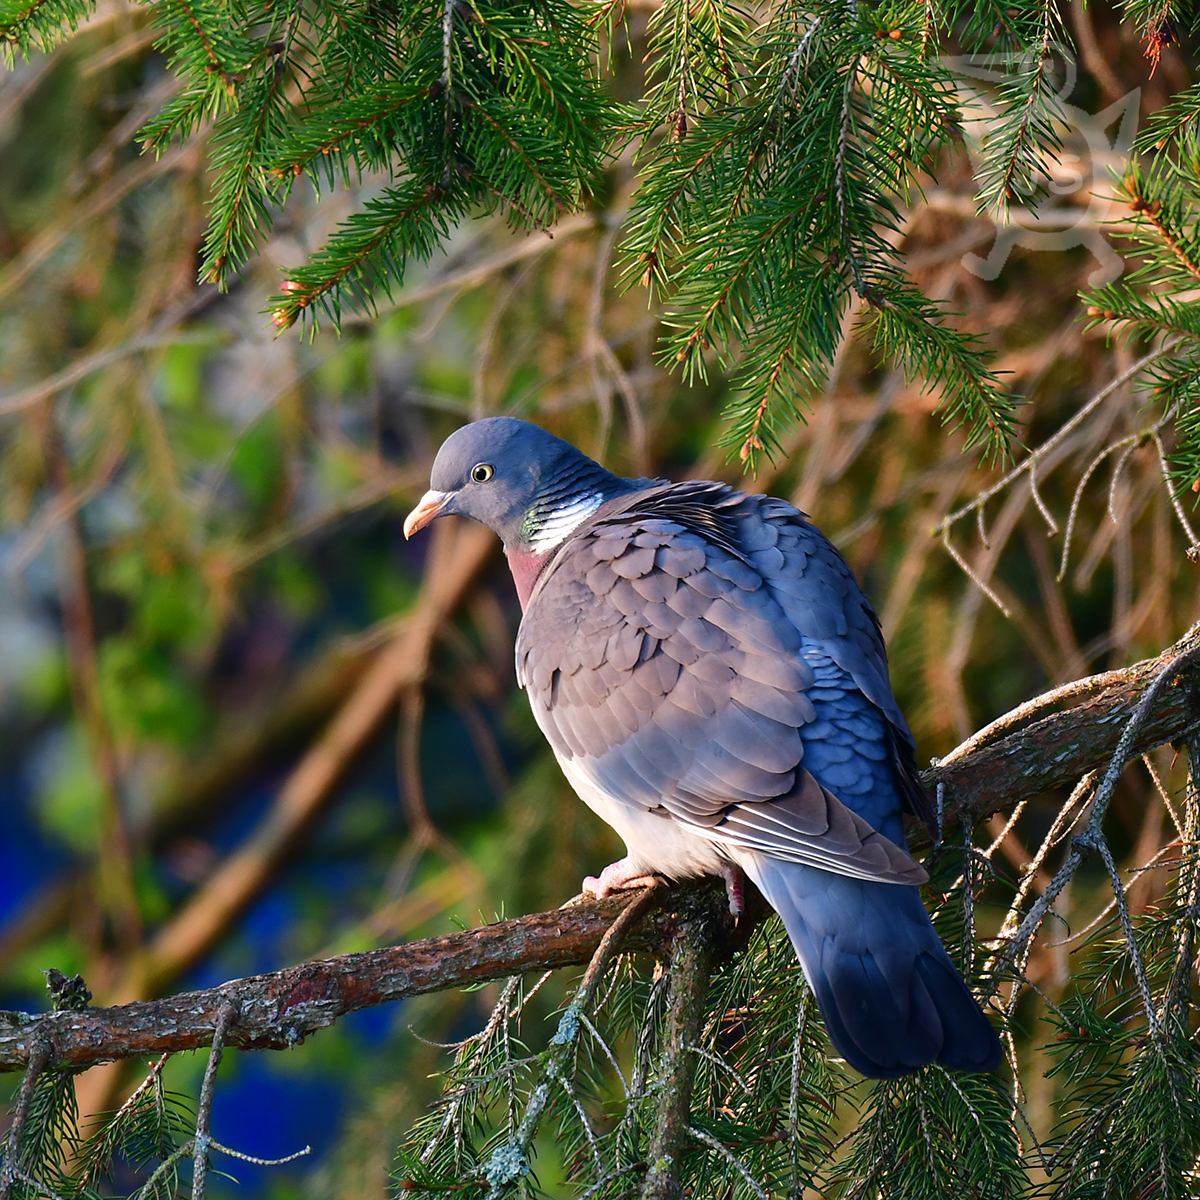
1018,149
27,26
39,1054
1170,124
374,123
909,327
1154,303
1175,998
509,1161
244,194
691,965
368,252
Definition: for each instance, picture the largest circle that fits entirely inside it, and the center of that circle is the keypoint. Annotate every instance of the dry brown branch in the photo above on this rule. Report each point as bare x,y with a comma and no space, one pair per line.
277,1010
474,276
39,916
79,640
105,197
458,551
1093,57
201,785
1007,843
367,495
90,363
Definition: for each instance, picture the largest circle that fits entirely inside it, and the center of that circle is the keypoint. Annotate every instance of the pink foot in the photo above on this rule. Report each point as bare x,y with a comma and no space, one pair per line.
735,883
614,877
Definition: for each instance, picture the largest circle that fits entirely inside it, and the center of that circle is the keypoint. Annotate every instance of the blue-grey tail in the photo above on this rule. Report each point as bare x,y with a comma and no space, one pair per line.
891,998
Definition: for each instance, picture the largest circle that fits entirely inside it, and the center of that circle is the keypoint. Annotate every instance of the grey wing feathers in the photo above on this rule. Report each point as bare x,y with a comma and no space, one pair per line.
814,827
661,650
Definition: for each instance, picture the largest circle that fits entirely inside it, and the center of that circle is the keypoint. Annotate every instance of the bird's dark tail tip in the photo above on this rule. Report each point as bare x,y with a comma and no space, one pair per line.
891,998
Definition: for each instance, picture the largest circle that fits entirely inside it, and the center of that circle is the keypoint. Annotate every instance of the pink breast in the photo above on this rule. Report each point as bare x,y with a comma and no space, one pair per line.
525,567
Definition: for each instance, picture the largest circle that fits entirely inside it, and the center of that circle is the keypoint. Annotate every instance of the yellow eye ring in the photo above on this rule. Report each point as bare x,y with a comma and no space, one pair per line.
482,472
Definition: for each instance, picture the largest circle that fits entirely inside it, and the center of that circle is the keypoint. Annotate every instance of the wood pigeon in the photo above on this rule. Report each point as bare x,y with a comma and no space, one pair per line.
714,685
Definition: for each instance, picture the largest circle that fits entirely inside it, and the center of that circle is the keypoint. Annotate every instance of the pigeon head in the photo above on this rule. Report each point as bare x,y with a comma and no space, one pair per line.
520,481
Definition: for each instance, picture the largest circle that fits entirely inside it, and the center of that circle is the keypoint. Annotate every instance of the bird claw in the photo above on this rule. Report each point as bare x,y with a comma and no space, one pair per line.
735,890
615,877
621,875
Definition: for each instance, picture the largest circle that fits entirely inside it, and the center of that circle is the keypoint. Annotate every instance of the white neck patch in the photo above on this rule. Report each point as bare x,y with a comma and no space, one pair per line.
563,521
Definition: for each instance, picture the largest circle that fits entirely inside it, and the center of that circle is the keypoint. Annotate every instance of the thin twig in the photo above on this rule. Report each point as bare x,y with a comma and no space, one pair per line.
259,1162
611,942
1037,499
36,1184
203,1141
40,1052
1166,797
588,1132
472,277
1035,456
969,571
718,1061
1175,1001
794,1096
1193,542
732,1159
168,1164
1063,820
151,1079
509,1162
1135,953
603,1044
1098,919
119,894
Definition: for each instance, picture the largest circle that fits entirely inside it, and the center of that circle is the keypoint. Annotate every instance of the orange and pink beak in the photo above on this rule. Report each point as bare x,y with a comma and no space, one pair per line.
430,505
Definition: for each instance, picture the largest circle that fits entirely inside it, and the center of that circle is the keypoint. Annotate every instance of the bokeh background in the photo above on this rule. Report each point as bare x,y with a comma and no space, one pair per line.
243,723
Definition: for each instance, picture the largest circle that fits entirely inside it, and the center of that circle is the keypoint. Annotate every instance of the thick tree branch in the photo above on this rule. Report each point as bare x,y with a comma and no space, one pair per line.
1028,752
277,1010
1036,748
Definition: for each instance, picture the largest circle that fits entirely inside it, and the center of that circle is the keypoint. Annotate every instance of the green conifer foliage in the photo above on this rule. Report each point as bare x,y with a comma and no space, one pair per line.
772,157
773,152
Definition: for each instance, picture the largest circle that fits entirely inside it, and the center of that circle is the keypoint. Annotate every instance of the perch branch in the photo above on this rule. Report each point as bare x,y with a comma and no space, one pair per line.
1009,762
277,1010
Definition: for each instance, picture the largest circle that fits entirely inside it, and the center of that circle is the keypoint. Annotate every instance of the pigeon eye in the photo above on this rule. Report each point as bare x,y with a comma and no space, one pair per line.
482,472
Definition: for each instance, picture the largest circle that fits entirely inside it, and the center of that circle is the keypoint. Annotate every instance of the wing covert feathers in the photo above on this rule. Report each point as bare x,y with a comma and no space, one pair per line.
663,648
